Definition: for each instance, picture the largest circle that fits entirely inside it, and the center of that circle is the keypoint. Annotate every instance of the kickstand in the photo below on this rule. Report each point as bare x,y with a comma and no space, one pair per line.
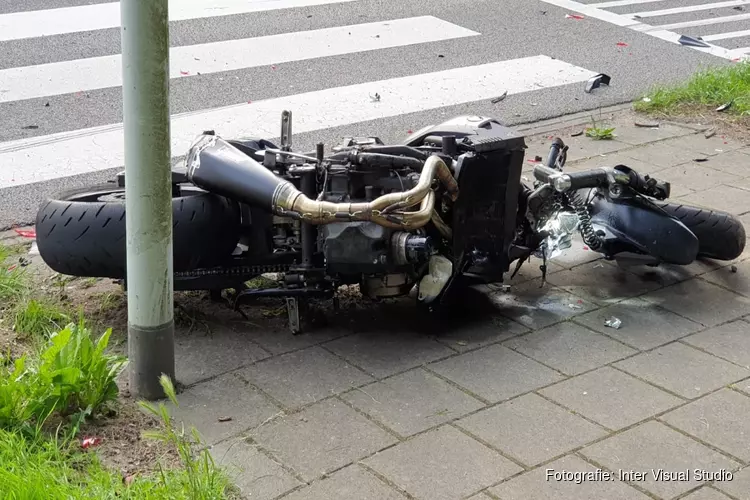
543,268
298,312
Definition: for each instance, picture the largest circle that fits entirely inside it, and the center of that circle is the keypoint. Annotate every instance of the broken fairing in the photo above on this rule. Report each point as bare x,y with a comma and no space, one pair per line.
432,284
559,229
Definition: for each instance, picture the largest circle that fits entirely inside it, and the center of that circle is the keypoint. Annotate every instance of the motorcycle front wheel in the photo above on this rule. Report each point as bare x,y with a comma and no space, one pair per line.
81,232
720,235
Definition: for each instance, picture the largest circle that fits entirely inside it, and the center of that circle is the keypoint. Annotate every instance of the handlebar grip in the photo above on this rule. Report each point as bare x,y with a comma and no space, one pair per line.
588,178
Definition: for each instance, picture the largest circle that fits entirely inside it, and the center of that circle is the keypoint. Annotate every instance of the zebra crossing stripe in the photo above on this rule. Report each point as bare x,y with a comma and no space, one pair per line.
65,77
64,154
38,23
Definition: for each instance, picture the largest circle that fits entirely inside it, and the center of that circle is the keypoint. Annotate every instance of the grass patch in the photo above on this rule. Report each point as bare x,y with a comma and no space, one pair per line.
39,318
72,377
14,281
712,87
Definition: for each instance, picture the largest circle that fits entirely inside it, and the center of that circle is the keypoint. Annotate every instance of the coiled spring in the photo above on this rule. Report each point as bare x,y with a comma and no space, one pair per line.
590,237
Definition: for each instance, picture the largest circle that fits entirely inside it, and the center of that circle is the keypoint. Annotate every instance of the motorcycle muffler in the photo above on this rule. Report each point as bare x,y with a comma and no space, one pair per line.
216,166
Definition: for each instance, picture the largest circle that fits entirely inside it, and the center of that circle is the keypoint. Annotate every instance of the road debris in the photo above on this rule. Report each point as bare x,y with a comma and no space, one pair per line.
692,42
575,306
184,73
46,105
596,81
30,127
647,124
574,16
30,233
733,268
462,343
700,160
613,322
375,98
225,419
577,134
725,107
622,44
499,98
90,442
646,99
710,133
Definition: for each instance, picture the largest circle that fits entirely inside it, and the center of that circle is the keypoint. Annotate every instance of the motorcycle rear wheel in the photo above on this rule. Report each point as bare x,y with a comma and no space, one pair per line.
721,235
81,232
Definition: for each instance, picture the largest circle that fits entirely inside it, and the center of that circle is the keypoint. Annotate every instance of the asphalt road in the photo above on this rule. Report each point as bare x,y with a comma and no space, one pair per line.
506,30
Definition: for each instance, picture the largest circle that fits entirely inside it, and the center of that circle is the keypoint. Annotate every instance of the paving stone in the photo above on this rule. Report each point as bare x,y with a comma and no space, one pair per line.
706,493
496,373
626,131
226,396
531,429
739,486
474,335
719,419
713,146
570,348
701,302
322,438
537,307
612,160
694,176
733,162
257,476
654,446
730,341
664,154
540,484
576,255
278,341
412,402
350,483
442,464
384,353
683,370
611,398
726,198
644,325
303,377
580,147
602,283
199,356
737,281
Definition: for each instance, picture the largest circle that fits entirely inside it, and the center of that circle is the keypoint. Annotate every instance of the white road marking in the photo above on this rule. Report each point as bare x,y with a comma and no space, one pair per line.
102,72
64,154
662,32
689,8
36,23
724,36
621,3
696,22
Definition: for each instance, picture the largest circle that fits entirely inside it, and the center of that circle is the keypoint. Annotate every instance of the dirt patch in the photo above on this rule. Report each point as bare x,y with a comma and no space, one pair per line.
123,447
706,117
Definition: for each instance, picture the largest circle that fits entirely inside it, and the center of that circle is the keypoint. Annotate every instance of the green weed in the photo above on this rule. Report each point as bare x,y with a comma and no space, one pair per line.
40,469
14,282
201,479
39,318
73,376
713,87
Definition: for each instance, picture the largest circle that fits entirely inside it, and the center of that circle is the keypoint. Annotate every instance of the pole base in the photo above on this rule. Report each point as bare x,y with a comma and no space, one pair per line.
151,354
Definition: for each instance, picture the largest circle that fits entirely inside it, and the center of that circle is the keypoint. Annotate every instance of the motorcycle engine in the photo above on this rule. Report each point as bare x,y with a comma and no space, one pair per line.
383,261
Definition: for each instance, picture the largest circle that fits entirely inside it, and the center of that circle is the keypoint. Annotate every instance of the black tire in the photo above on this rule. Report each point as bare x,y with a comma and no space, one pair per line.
82,232
721,235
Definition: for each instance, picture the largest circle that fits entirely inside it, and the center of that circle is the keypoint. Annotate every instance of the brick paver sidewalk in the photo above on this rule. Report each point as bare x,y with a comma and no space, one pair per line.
513,403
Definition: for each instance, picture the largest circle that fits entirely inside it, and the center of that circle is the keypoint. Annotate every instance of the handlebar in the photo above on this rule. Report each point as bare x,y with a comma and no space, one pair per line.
602,177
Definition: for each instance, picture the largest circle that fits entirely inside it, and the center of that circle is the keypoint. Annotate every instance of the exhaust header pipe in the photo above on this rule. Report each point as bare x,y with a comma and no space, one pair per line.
215,165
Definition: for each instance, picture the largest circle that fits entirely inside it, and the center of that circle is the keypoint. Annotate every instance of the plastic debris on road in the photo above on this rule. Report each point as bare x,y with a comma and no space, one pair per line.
596,81
499,98
90,442
574,16
26,233
613,322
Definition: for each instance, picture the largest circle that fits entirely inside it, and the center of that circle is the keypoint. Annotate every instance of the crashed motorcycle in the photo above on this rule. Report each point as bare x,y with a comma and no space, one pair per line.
445,209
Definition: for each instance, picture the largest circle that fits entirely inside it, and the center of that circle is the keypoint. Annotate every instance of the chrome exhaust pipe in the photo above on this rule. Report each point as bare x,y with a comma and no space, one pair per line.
215,165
